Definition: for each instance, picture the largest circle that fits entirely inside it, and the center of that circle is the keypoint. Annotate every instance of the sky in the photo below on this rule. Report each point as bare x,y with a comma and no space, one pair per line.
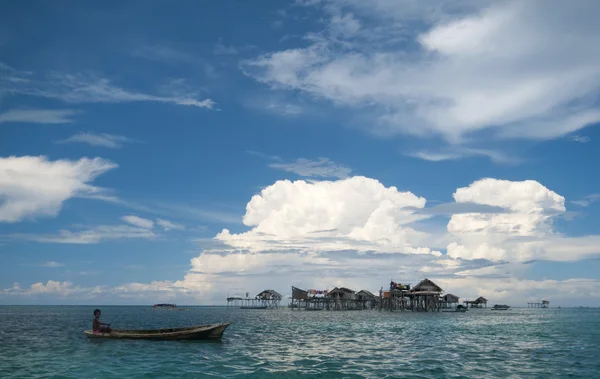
158,153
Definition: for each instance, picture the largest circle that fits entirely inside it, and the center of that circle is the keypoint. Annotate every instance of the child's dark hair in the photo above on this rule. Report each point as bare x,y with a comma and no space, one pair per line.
97,311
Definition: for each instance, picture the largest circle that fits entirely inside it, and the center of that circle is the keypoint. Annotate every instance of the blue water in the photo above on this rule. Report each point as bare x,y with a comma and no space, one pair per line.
48,341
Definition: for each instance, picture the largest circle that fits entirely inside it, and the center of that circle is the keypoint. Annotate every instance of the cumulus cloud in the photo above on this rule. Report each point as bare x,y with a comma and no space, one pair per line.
516,69
38,116
354,213
138,221
104,140
523,232
32,187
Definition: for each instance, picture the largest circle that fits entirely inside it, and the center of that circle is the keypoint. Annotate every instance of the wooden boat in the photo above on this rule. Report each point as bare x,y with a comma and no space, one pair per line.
500,307
253,307
191,333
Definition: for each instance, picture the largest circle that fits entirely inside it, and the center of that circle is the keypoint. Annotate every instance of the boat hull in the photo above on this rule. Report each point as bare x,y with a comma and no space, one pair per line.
193,333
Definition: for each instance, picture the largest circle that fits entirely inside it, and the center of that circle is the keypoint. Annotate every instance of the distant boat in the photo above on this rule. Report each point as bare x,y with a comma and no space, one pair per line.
253,307
191,333
501,307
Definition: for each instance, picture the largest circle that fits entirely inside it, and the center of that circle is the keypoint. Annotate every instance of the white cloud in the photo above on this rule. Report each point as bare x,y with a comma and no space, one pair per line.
51,287
521,233
523,70
456,153
32,187
80,88
581,139
92,235
221,49
52,264
103,139
138,221
322,167
588,200
168,225
38,116
357,213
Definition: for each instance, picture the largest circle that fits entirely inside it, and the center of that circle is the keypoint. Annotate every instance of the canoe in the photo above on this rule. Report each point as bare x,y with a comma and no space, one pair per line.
191,333
253,307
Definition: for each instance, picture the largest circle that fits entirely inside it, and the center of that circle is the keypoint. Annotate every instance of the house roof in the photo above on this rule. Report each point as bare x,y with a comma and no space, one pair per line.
423,284
341,289
481,299
449,295
365,292
273,293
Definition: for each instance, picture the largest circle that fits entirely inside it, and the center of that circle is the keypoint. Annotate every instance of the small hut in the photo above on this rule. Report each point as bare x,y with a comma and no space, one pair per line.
425,296
365,295
366,299
269,295
343,298
342,293
480,302
449,300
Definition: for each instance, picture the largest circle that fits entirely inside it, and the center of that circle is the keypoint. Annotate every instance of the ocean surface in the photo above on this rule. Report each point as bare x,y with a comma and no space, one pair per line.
48,342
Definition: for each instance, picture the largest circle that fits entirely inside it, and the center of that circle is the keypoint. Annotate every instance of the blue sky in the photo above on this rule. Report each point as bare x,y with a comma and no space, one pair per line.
152,153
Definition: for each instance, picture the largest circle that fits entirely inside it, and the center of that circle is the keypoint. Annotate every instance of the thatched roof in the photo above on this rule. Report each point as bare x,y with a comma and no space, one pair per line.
341,291
481,299
427,285
450,298
270,294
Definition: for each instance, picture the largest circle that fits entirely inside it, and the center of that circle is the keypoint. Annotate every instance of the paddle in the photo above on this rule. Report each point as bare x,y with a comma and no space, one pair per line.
113,320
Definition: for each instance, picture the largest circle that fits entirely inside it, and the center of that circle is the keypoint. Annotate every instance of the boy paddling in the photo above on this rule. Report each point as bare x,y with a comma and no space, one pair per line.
98,326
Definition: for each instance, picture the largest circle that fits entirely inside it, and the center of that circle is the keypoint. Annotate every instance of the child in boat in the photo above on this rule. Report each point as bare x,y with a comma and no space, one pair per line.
100,327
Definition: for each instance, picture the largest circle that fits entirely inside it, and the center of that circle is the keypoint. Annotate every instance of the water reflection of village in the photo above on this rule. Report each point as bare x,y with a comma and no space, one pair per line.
426,296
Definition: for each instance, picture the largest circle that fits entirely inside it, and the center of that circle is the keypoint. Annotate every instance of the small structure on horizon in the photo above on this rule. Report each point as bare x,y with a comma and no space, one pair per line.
543,304
480,302
267,299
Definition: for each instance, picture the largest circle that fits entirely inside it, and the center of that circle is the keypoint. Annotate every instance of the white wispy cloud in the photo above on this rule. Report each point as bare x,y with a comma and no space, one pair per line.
463,72
32,187
52,264
581,139
319,168
87,88
456,153
105,140
38,116
92,235
587,200
221,49
322,167
138,221
169,225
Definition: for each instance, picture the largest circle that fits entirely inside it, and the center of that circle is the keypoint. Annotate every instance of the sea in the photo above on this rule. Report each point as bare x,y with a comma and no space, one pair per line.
48,342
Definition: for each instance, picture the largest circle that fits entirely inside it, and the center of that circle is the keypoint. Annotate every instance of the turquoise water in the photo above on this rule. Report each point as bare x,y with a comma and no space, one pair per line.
48,342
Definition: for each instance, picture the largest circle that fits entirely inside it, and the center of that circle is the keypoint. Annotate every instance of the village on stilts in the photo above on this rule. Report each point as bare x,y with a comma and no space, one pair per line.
426,296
